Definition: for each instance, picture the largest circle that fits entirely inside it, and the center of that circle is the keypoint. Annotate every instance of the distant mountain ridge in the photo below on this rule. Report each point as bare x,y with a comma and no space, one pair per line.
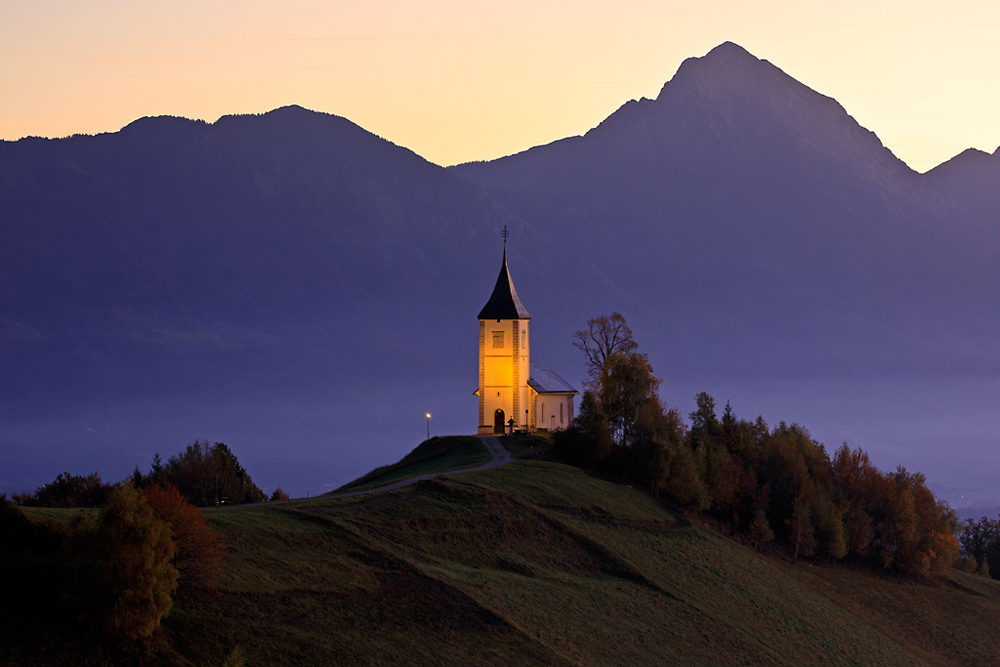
283,268
737,161
291,281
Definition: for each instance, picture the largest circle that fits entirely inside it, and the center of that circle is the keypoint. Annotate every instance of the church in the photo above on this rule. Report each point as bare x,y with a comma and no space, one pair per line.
513,393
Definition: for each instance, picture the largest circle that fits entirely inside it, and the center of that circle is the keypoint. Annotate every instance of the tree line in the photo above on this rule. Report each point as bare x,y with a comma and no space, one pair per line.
775,486
204,474
980,541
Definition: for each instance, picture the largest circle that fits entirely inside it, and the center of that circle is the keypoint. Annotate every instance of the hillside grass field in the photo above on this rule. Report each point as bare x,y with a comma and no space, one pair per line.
436,455
538,563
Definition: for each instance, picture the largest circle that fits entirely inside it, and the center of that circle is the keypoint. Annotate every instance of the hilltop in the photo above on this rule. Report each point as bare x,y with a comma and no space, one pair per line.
537,563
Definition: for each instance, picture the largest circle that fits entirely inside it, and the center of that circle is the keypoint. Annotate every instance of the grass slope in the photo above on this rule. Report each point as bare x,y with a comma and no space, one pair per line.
439,454
539,564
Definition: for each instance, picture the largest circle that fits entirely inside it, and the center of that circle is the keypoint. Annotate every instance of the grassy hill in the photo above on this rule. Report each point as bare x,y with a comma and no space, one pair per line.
436,455
537,563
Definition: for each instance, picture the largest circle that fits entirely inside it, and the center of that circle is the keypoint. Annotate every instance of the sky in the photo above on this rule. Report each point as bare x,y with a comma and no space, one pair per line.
459,81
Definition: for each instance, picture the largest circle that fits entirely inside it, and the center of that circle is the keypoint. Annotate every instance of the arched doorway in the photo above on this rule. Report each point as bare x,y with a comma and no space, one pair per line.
498,421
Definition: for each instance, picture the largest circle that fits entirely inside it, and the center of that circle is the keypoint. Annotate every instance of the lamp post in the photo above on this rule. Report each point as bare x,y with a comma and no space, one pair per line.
428,426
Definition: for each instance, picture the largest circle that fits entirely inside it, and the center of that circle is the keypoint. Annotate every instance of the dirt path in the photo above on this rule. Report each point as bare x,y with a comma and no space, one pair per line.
498,456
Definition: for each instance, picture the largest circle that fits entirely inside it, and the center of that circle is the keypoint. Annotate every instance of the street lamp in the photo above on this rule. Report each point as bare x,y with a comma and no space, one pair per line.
428,426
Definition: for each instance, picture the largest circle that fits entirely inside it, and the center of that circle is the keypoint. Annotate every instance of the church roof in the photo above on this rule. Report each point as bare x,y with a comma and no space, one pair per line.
504,303
547,381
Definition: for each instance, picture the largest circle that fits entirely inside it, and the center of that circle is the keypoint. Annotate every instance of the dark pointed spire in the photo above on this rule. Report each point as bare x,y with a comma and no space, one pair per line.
504,303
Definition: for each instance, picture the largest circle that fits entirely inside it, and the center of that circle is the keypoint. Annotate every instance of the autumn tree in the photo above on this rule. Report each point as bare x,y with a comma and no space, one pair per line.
859,486
893,518
198,551
122,567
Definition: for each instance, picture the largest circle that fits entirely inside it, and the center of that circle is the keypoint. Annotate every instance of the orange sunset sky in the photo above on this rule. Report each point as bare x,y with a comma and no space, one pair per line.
458,81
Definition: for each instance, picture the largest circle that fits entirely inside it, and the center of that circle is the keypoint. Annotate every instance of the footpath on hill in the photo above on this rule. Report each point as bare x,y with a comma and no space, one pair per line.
499,455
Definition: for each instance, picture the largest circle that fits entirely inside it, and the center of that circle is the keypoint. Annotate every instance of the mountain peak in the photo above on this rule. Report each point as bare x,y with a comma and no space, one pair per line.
726,69
729,51
740,94
972,170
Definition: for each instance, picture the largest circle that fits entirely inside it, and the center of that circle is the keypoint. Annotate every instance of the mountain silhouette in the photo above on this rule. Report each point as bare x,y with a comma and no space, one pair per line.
304,290
252,278
740,198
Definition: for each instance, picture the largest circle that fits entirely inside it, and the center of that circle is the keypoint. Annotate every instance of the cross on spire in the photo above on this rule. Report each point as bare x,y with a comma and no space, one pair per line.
504,234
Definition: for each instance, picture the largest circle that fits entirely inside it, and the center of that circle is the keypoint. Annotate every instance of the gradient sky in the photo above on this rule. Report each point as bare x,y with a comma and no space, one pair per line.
458,81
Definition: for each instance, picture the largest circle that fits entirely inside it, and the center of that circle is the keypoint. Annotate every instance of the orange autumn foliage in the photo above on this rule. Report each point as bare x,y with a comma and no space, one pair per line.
198,550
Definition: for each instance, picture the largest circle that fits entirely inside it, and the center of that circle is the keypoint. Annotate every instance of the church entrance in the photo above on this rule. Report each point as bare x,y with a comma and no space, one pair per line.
498,421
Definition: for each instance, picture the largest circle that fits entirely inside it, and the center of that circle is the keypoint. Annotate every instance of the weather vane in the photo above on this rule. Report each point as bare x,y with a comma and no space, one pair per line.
504,234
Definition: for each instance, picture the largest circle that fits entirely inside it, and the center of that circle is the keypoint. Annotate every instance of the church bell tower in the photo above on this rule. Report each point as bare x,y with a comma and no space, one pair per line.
504,354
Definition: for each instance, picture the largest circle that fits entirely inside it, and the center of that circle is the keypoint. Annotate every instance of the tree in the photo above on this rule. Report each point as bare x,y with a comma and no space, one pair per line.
587,442
156,469
684,484
978,536
655,441
603,337
858,483
803,534
735,486
760,530
279,495
704,421
123,568
626,387
198,551
209,475
895,519
68,490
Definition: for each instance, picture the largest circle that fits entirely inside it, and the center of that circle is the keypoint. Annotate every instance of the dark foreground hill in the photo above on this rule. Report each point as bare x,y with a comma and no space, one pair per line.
536,563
